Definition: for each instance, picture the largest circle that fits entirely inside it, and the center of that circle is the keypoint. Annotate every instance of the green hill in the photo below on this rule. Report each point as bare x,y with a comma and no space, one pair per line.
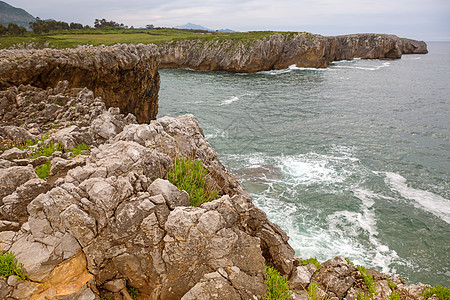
10,14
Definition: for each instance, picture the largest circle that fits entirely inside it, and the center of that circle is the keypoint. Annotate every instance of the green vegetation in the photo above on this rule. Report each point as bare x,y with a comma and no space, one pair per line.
47,150
312,294
392,285
64,38
368,279
189,175
134,292
22,145
311,260
278,286
349,261
79,149
395,296
442,292
44,170
10,266
362,296
102,297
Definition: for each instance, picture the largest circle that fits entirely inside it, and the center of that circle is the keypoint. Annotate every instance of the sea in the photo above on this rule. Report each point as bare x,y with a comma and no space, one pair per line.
353,159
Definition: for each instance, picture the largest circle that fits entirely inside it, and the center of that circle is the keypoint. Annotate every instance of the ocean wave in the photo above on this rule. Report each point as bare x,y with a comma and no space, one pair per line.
229,101
425,200
291,68
384,65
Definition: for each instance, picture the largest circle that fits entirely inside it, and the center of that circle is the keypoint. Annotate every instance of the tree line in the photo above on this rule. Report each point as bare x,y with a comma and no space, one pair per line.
45,26
12,29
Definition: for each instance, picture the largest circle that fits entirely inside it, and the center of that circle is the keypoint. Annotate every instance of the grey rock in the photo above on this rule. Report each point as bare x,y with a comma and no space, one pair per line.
13,153
115,285
336,276
16,133
14,206
301,277
172,195
13,177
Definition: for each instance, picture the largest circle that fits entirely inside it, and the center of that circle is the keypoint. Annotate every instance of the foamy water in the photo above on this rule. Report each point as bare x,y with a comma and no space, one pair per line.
353,159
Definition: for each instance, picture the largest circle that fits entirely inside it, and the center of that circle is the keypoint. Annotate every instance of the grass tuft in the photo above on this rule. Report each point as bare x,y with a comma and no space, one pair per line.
311,260
10,266
47,150
134,292
189,175
278,286
442,292
79,149
368,279
44,170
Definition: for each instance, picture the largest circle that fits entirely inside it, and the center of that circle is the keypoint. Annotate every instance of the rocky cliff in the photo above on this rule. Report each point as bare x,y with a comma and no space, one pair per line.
104,223
125,76
282,50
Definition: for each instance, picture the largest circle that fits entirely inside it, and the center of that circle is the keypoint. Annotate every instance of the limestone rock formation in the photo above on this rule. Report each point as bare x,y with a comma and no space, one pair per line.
103,223
125,76
280,51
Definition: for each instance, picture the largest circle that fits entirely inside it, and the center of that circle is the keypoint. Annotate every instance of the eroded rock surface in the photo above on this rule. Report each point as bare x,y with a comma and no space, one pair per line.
280,51
125,76
111,219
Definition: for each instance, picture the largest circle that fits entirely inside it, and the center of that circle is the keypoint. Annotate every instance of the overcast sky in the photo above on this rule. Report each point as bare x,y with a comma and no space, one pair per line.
427,20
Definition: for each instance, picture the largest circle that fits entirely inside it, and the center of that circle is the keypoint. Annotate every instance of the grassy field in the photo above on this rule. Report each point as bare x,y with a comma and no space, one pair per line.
73,38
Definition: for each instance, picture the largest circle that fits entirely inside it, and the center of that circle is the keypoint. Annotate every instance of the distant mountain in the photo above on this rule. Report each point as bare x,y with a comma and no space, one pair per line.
193,26
227,30
11,14
200,27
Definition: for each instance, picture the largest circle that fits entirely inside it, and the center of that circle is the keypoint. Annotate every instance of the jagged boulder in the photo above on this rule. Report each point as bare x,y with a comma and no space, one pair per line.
110,213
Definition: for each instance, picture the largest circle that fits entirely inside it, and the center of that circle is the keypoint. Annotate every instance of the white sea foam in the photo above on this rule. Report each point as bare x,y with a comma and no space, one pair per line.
288,70
350,233
309,239
230,100
435,204
384,65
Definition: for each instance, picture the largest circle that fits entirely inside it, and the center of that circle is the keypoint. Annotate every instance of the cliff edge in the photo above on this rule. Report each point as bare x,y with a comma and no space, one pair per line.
279,51
125,76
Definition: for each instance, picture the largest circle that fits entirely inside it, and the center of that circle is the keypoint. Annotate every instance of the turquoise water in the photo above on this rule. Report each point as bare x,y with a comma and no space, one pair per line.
353,159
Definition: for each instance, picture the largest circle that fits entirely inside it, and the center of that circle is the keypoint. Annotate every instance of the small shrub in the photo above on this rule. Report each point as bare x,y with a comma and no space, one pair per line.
134,292
10,266
79,149
44,170
349,261
278,286
368,279
189,175
442,292
312,294
362,296
394,296
311,260
391,285
47,150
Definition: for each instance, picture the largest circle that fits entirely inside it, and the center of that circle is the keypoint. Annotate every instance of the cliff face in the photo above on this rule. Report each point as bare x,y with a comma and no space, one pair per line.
125,76
104,222
280,51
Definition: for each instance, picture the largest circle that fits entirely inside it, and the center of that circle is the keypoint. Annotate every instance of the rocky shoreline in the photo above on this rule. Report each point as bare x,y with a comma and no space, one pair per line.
103,222
280,51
